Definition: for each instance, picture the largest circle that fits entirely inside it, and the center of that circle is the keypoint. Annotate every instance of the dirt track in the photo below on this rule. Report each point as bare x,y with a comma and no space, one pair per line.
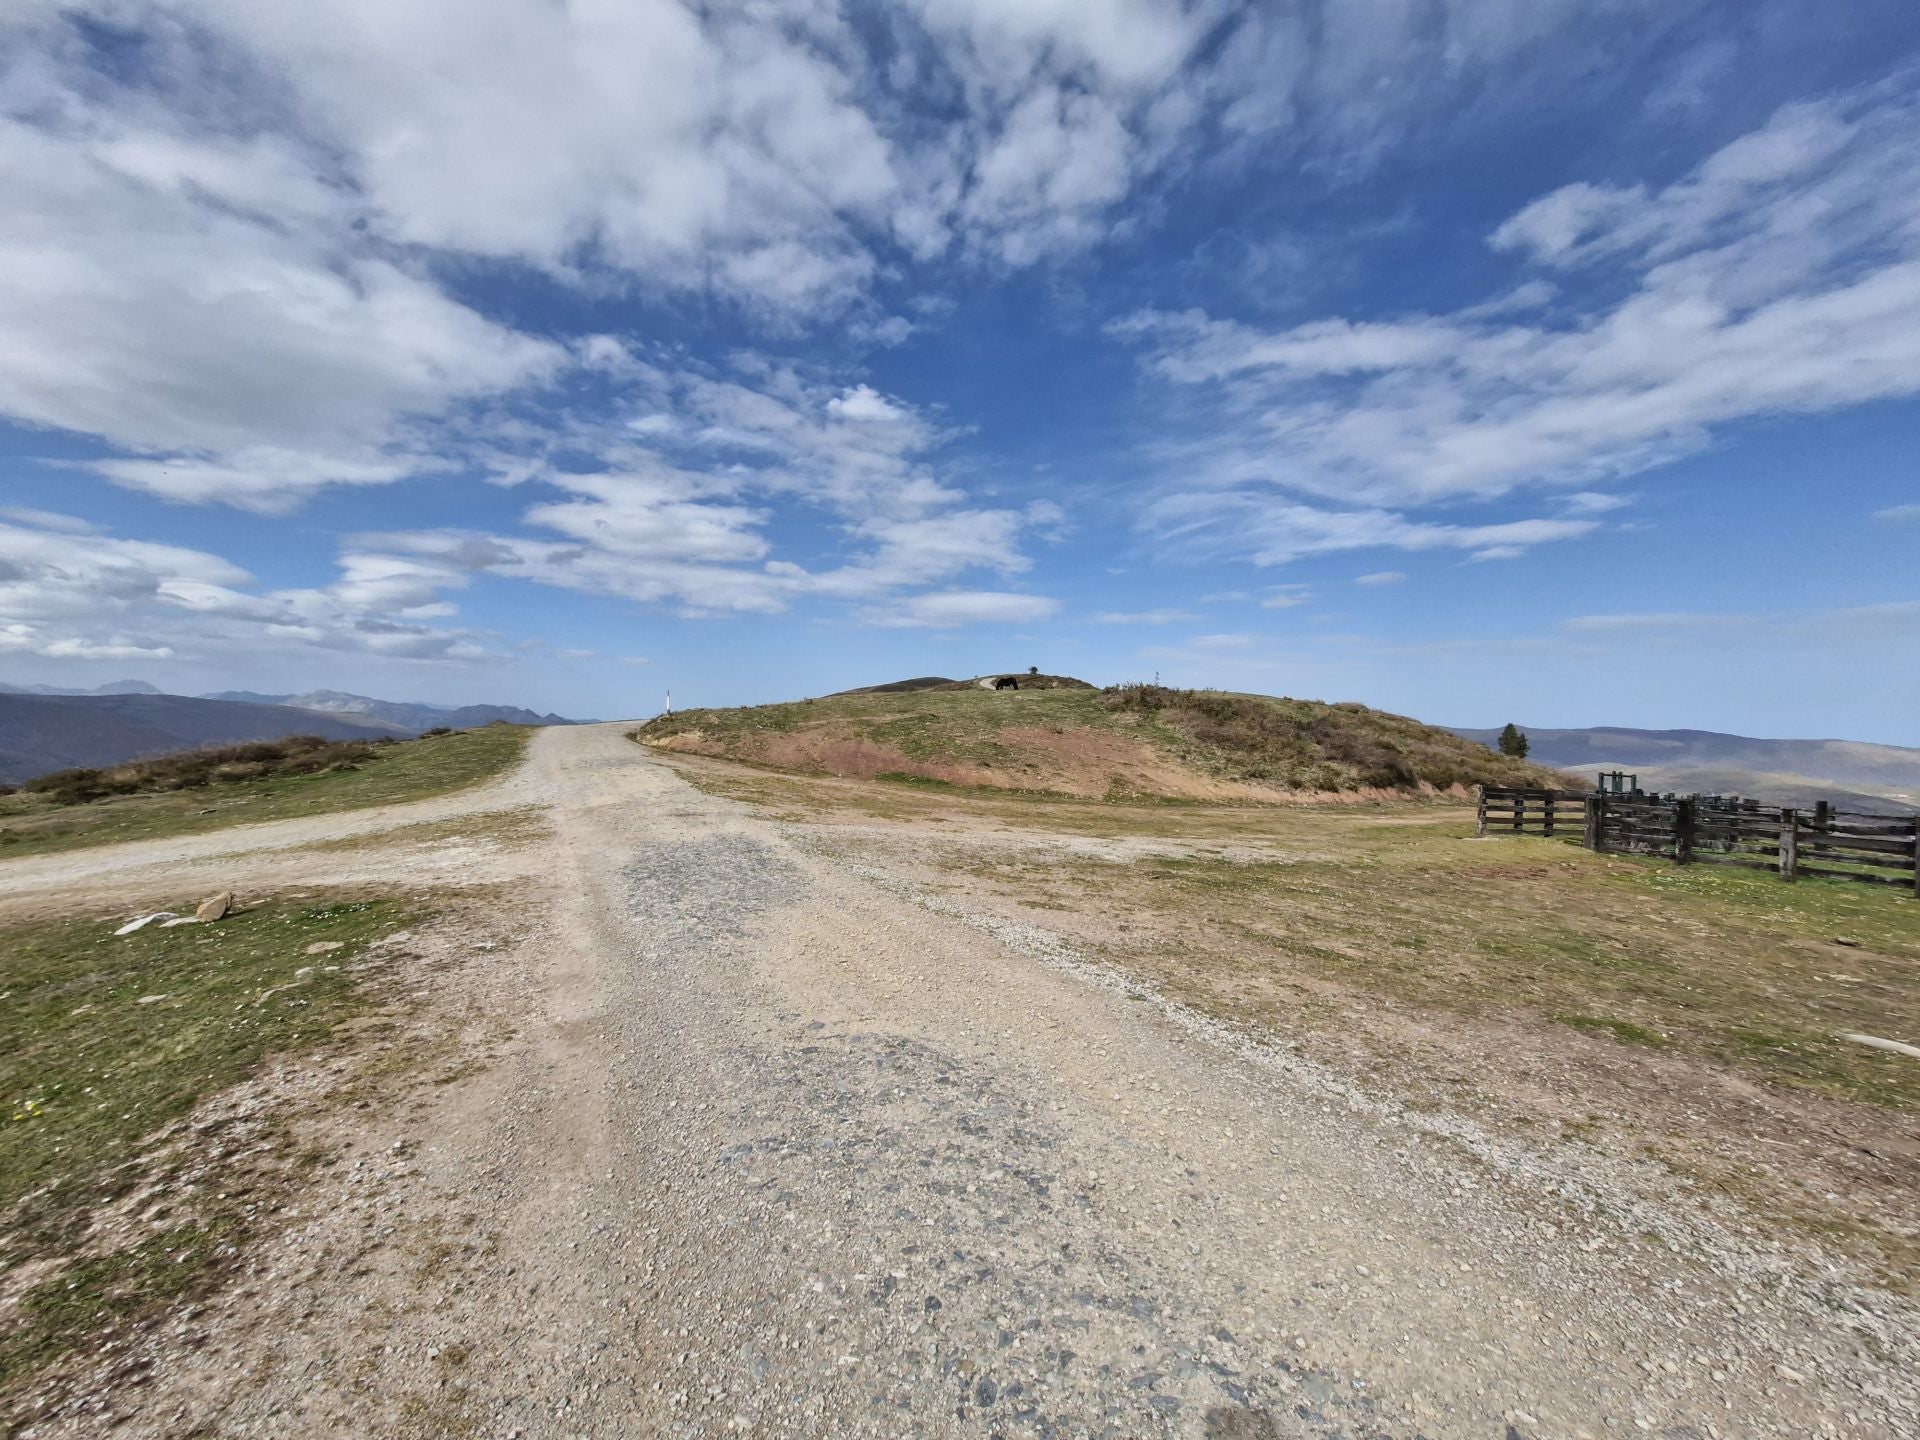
777,1150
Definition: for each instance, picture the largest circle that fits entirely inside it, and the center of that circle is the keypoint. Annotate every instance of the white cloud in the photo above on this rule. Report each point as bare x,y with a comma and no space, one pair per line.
656,513
946,609
1590,502
207,301
933,547
66,595
1781,275
266,479
1673,620
735,460
863,402
1898,513
223,246
46,519
775,154
1844,623
1144,617
227,255
1381,577
1269,531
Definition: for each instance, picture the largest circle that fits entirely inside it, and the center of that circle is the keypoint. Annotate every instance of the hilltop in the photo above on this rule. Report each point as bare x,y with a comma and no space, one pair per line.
1134,741
1022,680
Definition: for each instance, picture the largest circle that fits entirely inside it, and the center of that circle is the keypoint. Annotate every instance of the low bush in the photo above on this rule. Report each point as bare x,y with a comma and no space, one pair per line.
212,765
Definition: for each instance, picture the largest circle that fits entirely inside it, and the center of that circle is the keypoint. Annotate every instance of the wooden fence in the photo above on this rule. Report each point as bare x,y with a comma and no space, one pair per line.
1717,830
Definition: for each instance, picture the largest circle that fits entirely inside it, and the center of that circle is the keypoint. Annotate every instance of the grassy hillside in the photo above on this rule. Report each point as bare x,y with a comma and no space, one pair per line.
61,816
1141,741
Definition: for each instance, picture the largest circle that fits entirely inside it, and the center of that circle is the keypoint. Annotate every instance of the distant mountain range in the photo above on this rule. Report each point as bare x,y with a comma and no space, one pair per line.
1852,774
45,727
409,715
115,687
39,733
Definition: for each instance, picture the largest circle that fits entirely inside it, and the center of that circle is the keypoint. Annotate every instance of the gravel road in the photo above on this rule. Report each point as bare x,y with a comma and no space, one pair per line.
776,1150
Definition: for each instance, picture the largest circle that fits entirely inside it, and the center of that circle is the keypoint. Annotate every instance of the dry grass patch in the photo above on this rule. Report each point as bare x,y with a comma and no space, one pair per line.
515,829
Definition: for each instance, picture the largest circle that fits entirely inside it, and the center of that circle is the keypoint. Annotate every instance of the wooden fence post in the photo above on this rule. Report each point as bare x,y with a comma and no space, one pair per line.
1683,832
1596,819
1519,810
1916,857
1789,843
1553,797
1480,818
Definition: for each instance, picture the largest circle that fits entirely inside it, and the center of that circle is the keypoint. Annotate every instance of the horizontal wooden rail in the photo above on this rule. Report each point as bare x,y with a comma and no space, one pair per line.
1716,830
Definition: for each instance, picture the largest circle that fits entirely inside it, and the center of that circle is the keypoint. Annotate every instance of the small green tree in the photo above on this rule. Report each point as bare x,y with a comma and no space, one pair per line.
1033,669
1513,741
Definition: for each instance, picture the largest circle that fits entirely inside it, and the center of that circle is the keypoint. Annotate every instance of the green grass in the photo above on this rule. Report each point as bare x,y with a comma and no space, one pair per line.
513,829
88,1072
919,782
1623,1030
410,770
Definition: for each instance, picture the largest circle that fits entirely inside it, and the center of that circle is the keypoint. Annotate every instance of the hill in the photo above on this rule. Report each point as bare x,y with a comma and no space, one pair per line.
408,715
39,733
901,687
1850,773
1136,741
1022,680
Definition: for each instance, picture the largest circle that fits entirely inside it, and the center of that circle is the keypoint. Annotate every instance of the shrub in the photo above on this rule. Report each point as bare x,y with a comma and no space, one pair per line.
436,730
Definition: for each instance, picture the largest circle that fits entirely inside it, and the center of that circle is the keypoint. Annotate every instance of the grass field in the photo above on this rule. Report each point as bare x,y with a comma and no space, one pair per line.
410,770
106,1040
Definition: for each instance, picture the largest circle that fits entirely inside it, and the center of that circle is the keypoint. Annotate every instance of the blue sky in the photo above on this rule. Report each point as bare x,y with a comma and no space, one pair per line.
1477,359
